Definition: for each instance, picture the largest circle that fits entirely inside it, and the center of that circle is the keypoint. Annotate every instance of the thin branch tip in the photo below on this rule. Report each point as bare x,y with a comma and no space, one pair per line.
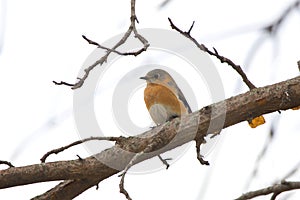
63,83
79,158
189,31
215,50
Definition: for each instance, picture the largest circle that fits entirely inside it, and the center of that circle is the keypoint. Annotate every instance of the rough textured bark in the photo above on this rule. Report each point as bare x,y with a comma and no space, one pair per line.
79,175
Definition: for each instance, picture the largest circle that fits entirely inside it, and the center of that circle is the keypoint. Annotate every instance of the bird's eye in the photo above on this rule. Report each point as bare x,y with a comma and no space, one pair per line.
156,76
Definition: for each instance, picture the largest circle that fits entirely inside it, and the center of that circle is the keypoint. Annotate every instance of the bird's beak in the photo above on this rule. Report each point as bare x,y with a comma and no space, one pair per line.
144,78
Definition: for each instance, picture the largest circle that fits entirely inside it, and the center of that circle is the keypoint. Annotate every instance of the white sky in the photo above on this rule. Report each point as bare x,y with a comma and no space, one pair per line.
41,41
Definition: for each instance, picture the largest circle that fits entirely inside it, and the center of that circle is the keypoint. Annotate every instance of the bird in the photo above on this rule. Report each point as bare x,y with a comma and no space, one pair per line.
163,98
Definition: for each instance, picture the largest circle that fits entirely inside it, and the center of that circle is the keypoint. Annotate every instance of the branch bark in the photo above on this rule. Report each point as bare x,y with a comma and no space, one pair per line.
81,174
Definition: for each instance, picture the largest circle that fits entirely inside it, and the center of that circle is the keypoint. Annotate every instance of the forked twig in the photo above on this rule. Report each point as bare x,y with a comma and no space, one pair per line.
164,161
131,29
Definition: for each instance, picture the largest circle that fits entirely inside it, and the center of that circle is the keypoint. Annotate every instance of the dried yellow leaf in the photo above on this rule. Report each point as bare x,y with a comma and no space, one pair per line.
257,121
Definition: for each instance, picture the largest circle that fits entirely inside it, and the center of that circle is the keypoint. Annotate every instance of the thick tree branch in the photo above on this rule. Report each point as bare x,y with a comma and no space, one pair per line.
280,96
65,190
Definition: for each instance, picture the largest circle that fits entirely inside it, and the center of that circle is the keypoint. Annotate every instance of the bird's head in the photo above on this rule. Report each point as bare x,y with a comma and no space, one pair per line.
158,76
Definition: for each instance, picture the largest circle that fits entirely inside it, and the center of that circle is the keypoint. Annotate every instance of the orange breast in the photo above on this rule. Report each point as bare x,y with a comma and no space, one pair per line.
159,94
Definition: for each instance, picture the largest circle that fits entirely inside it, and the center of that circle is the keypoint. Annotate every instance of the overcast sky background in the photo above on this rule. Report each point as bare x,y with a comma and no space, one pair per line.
40,41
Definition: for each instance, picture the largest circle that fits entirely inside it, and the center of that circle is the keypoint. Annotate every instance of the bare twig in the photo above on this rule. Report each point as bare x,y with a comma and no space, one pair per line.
164,4
274,26
63,83
200,141
130,164
290,173
58,150
152,146
79,158
271,29
131,29
275,190
215,53
3,162
189,31
164,161
133,53
154,143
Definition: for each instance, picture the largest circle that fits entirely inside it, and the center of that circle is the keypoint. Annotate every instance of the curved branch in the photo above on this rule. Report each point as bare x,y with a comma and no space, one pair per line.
58,150
214,53
275,190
